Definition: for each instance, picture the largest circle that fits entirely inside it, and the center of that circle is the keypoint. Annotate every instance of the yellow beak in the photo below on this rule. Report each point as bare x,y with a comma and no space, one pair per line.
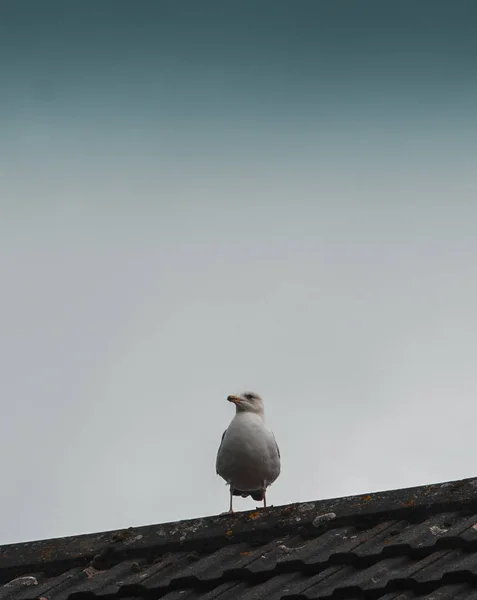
234,399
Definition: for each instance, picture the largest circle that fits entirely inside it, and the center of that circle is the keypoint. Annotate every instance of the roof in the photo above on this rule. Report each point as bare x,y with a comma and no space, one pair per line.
397,545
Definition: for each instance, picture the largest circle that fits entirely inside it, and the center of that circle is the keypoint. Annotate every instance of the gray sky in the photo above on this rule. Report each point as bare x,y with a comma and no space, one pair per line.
195,203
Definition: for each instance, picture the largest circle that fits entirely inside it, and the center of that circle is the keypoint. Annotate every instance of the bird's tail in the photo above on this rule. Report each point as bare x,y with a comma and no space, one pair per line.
257,495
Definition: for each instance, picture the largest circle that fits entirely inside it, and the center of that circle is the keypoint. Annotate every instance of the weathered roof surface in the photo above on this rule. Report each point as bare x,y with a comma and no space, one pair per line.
413,543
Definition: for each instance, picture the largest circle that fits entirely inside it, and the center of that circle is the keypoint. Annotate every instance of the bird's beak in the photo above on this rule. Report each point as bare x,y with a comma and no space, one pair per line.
234,399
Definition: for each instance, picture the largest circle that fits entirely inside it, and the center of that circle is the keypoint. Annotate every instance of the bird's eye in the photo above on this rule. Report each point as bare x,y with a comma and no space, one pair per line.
249,396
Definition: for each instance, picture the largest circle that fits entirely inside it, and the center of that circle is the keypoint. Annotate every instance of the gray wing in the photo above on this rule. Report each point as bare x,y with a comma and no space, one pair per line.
278,449
218,451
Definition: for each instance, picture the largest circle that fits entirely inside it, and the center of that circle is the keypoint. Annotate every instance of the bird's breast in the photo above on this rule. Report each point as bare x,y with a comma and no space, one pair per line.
248,455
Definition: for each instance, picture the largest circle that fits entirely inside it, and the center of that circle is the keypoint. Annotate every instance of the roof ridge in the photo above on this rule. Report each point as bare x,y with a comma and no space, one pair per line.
258,526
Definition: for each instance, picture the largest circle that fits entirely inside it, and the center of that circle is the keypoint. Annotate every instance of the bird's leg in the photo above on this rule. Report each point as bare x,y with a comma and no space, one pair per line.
264,498
231,496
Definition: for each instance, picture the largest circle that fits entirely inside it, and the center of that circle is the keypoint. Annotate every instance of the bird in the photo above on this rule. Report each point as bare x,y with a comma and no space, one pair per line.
248,457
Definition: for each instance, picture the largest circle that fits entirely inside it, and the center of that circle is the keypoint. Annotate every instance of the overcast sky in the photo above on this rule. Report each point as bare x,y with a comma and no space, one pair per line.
199,198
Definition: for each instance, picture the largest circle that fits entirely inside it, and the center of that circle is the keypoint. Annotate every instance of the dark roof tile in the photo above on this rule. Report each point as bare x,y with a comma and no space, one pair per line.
398,545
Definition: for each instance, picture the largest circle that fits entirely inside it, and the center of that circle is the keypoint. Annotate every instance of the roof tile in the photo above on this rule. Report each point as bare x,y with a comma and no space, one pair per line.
398,545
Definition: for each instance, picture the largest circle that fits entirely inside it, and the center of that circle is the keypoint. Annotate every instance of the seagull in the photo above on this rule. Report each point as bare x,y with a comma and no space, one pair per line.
248,457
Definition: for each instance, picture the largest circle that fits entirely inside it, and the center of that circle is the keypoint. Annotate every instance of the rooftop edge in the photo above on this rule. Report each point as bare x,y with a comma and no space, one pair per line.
212,532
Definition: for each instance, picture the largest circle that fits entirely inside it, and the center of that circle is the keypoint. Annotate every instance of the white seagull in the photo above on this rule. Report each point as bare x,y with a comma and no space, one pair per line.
248,457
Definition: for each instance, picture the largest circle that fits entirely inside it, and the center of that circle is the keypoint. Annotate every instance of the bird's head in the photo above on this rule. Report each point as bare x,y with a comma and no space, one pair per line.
247,402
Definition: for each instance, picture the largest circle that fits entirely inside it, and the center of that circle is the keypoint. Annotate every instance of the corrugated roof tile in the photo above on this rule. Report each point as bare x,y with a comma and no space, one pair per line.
411,544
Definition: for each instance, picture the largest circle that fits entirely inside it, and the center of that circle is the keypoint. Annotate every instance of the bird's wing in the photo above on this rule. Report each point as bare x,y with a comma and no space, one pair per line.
278,449
218,451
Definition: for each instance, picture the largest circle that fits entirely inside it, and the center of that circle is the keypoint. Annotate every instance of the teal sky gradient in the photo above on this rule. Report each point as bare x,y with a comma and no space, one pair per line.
200,198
